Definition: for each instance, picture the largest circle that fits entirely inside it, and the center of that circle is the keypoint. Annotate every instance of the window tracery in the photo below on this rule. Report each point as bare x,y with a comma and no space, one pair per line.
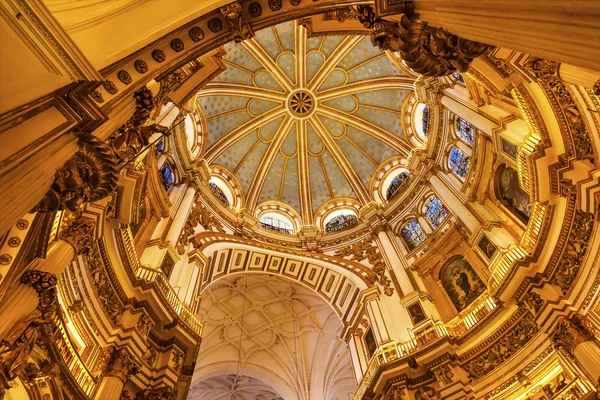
435,211
166,176
425,120
399,182
273,223
413,234
159,146
464,130
458,78
218,192
459,162
341,222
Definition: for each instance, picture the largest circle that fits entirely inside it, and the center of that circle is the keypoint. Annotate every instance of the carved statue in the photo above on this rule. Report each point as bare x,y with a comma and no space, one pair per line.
132,137
144,324
16,347
427,393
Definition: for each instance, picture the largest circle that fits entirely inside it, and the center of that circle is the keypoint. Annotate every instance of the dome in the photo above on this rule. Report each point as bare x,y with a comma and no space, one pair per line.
303,120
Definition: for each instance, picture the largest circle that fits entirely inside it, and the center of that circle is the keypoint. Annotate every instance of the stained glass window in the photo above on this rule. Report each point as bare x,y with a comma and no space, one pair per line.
412,234
218,192
458,77
276,224
159,146
341,222
425,120
435,211
398,183
459,162
464,130
166,176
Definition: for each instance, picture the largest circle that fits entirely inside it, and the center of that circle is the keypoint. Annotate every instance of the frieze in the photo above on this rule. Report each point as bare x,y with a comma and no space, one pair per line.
511,341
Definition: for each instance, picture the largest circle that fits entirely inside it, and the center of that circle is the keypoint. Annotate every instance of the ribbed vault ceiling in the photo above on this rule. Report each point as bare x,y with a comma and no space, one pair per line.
304,120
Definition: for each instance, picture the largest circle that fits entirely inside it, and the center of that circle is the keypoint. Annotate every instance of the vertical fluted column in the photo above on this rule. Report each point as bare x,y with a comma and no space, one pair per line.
578,338
121,366
454,204
32,282
566,31
181,216
378,325
396,261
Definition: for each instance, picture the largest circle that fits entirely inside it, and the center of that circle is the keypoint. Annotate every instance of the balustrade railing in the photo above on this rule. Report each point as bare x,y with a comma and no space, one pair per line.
456,327
69,355
275,228
161,283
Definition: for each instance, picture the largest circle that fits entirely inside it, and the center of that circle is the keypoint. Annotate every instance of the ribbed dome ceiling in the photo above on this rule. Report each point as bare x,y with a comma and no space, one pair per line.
304,120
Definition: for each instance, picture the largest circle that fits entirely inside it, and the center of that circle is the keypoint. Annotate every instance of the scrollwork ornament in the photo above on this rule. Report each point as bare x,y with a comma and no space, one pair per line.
275,5
110,87
215,25
196,34
255,9
124,77
40,281
159,56
240,28
140,66
177,45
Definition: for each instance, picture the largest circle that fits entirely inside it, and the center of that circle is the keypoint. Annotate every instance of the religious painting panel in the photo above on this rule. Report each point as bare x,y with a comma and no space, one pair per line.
511,194
416,313
509,148
487,247
370,343
461,283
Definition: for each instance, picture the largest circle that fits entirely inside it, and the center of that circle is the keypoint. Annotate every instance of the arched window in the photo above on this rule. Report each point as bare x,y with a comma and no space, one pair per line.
461,282
276,223
159,146
425,120
413,234
399,182
218,192
464,130
435,211
166,176
459,162
340,222
511,194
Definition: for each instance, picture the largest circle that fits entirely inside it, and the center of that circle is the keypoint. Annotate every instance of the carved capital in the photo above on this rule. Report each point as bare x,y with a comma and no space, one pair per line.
163,393
240,28
80,233
90,175
121,365
432,51
40,281
571,332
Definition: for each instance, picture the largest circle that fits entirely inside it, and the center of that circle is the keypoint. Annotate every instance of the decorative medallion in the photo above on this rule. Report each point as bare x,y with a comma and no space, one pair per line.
124,77
159,56
5,259
110,87
301,103
140,66
275,5
97,96
254,9
196,34
295,2
177,45
14,241
215,25
22,224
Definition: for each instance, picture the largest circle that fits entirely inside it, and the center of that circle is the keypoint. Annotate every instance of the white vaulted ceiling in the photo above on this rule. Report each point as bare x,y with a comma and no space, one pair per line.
267,336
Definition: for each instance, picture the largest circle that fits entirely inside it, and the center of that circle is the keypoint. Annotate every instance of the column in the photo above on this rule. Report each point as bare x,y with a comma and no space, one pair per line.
121,366
377,320
181,216
566,31
577,337
33,283
579,76
473,117
396,262
453,203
